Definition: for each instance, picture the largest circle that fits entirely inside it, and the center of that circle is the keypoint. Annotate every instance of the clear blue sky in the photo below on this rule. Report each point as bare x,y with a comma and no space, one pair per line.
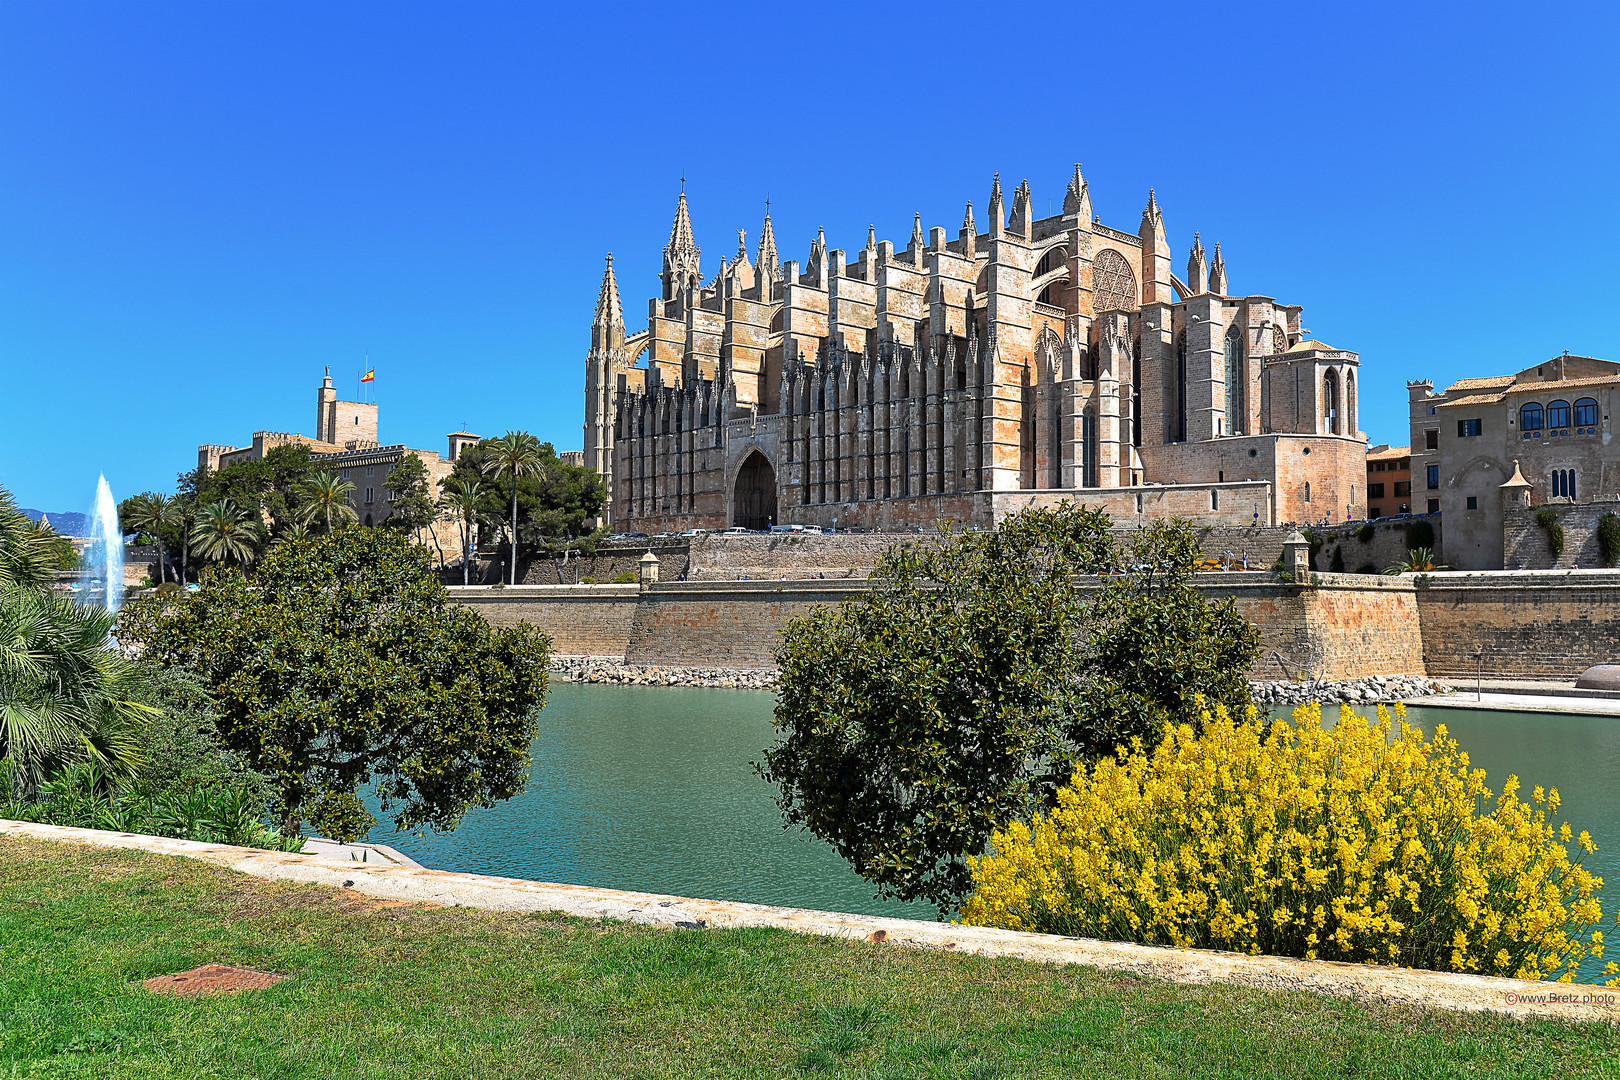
201,205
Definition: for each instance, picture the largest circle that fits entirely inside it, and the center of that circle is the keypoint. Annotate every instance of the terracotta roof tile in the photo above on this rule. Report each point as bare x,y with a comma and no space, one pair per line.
1480,384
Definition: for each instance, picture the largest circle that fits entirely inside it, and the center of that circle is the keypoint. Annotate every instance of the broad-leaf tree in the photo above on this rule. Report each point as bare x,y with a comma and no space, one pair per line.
962,692
343,665
411,493
557,504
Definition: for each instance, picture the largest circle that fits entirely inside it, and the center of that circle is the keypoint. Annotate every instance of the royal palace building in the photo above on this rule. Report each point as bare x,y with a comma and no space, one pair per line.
965,378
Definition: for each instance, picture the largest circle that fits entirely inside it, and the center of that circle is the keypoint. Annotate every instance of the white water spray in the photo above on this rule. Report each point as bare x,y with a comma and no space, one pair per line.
105,556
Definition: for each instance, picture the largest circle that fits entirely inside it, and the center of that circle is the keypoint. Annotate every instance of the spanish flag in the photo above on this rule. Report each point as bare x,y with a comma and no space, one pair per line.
369,376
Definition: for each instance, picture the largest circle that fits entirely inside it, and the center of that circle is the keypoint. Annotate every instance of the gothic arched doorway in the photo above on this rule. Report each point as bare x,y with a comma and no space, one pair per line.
753,503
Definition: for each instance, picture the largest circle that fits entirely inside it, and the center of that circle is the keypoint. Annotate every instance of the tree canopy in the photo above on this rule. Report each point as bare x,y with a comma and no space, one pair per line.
962,692
344,664
556,502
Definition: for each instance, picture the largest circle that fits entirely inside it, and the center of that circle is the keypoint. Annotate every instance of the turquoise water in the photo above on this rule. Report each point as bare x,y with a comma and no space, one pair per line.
650,789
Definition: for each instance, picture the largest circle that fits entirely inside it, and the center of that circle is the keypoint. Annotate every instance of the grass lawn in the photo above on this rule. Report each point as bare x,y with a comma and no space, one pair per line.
382,990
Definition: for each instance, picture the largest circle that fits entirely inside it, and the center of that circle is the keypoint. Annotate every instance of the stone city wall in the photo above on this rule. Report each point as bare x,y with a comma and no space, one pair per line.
1547,624
1386,546
1525,541
1348,627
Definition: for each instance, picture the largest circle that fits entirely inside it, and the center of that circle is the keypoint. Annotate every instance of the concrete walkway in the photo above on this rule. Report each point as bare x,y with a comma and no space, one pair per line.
1429,989
1541,697
367,854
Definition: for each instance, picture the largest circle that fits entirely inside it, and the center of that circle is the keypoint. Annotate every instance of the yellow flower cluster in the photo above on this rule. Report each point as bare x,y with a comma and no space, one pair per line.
1364,843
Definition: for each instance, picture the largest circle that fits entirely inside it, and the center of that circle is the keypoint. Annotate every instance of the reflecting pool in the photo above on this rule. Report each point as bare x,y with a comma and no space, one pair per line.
651,789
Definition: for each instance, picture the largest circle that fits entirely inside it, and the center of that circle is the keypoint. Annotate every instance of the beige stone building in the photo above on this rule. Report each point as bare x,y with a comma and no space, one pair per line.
965,376
1550,421
346,442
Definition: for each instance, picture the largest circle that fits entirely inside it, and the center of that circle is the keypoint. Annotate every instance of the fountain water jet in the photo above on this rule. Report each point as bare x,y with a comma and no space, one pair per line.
106,554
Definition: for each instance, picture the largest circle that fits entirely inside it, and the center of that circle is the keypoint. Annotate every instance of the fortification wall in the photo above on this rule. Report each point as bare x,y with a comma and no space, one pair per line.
1525,542
1547,624
1347,627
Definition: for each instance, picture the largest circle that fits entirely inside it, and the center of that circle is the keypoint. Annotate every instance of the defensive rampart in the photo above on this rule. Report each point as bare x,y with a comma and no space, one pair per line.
1516,624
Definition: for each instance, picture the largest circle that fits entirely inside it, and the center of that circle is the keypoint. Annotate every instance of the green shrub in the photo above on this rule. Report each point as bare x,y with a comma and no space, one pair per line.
1547,518
1608,538
1316,540
628,577
1368,844
587,581
1366,533
1419,534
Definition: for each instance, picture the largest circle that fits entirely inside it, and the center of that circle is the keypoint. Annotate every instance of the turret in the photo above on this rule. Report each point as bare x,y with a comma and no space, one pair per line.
1022,216
1217,274
998,216
1155,256
969,234
1197,268
914,250
1077,199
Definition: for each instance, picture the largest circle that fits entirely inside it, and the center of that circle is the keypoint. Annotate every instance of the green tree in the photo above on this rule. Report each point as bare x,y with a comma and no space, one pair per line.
65,698
412,496
462,499
514,455
271,488
556,504
149,513
327,496
224,532
344,664
961,693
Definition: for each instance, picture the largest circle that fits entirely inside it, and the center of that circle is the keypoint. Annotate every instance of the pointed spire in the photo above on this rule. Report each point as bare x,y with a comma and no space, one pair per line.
1217,273
998,216
1023,215
680,234
1077,199
871,238
967,219
607,329
816,266
970,233
915,248
1197,268
766,259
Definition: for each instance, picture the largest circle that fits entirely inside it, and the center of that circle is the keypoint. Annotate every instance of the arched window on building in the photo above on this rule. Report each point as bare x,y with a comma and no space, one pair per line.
1350,407
1307,491
1586,413
1531,417
1235,381
1330,402
1113,285
1178,424
1136,392
1558,414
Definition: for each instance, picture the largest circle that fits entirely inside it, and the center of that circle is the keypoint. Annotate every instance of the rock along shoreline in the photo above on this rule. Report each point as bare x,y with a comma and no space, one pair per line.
611,671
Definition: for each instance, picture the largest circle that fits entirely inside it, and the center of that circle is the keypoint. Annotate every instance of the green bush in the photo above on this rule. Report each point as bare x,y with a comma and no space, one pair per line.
1366,533
1547,518
1608,538
1419,534
1316,541
628,577
587,581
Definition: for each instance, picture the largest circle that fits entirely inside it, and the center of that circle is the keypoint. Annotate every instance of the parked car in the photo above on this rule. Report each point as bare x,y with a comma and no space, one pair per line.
735,530
695,532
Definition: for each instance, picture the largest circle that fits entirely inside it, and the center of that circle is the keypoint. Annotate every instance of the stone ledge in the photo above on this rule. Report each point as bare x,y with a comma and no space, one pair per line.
1425,989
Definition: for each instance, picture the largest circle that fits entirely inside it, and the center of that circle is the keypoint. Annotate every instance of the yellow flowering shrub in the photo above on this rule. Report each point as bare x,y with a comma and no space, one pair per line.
1367,843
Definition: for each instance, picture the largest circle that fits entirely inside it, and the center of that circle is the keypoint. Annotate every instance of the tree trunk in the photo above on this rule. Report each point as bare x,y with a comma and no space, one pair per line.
514,527
466,541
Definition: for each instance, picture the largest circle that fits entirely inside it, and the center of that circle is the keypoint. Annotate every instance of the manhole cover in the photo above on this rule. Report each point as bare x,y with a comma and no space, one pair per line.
212,979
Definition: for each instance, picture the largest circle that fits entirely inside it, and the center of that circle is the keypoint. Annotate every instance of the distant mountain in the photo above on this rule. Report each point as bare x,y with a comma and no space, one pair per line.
67,523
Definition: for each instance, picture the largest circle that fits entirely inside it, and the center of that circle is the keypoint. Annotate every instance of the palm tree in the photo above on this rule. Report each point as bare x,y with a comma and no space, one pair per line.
184,509
225,532
515,454
460,500
328,497
150,513
296,533
1418,561
64,696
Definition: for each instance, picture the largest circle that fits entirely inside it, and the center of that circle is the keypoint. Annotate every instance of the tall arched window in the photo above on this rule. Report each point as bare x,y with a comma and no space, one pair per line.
1350,407
1531,417
1235,381
1136,392
1179,422
1586,412
1558,414
1330,401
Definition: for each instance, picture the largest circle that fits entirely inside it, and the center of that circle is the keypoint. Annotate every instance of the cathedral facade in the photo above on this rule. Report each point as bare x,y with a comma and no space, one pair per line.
1040,360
